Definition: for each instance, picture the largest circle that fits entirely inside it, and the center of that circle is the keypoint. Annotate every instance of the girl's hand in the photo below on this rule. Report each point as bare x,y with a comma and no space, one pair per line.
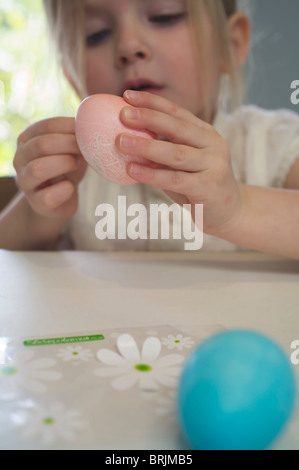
193,164
49,166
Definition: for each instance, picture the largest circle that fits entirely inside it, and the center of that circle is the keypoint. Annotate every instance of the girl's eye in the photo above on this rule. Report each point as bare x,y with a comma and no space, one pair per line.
97,38
167,19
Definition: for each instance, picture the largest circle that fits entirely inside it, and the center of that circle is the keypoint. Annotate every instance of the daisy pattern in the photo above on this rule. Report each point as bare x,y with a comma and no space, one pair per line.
179,342
75,354
21,372
49,424
146,368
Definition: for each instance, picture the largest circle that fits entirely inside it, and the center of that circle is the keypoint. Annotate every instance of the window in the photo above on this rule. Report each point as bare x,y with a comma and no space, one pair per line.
31,86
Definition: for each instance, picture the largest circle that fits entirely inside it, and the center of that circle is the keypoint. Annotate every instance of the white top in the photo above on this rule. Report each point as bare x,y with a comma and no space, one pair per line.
264,146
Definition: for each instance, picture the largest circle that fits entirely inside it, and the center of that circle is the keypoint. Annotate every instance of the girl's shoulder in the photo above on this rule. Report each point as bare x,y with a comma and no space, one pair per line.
264,119
264,143
252,122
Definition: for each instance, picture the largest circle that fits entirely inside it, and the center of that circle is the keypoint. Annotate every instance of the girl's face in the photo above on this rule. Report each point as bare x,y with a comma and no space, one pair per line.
147,44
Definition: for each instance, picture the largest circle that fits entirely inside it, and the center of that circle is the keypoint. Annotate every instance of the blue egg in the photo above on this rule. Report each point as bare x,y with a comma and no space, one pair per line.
236,392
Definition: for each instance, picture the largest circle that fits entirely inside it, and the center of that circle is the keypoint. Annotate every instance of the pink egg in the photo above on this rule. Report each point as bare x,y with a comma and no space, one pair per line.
97,125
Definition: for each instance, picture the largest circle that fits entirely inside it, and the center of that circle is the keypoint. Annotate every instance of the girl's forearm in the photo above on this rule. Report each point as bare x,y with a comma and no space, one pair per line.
23,229
268,222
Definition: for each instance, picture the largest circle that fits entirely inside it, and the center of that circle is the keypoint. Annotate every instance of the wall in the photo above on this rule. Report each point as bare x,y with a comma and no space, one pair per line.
275,52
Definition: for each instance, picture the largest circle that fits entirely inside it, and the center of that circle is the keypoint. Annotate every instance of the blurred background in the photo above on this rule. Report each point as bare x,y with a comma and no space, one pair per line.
32,88
274,61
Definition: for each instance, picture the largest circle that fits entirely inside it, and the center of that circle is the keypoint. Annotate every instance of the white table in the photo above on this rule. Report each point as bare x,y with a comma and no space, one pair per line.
67,292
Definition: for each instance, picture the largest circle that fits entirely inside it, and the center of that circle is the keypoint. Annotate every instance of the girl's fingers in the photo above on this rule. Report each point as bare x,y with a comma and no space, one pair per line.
46,145
46,168
143,99
167,179
179,157
47,200
77,175
49,166
57,125
170,127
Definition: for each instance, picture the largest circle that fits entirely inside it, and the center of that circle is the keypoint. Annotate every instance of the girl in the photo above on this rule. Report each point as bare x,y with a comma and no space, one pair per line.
168,58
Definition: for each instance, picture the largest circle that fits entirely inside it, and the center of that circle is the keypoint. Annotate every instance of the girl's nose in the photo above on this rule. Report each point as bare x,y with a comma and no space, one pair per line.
131,47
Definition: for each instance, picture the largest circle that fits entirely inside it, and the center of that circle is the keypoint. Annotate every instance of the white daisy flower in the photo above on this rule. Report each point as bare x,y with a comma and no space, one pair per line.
75,353
145,368
48,424
179,342
21,372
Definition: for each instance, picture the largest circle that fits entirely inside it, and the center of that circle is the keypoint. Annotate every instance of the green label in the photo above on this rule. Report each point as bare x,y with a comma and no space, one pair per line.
64,340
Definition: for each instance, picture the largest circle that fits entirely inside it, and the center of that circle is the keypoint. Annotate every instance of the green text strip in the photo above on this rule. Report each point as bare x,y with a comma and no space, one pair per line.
64,340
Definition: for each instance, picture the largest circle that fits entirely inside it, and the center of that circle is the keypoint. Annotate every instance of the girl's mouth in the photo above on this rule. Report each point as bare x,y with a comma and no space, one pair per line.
142,85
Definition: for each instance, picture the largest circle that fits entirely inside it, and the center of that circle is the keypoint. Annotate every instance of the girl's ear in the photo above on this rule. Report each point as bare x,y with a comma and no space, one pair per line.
239,33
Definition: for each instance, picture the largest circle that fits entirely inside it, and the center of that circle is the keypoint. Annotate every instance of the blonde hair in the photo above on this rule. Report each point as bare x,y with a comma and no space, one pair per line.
66,25
218,11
